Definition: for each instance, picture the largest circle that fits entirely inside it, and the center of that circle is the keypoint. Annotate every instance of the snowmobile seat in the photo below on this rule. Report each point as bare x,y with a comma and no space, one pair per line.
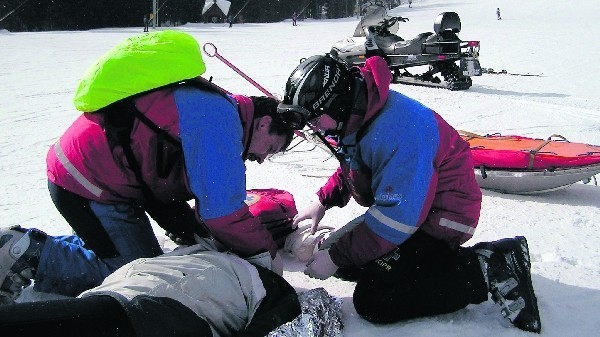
387,43
407,47
447,21
447,42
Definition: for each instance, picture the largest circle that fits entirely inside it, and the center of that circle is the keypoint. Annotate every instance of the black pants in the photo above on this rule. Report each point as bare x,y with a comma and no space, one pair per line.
176,217
76,210
93,316
422,277
101,316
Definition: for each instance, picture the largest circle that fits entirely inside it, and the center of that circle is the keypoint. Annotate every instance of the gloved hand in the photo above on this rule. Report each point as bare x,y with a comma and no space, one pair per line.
320,265
277,265
315,211
179,241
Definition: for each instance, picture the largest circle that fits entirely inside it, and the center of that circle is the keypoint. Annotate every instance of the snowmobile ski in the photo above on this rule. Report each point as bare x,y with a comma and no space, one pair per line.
504,72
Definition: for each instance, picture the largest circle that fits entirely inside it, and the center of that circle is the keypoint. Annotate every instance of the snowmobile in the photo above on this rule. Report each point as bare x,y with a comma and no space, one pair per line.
441,50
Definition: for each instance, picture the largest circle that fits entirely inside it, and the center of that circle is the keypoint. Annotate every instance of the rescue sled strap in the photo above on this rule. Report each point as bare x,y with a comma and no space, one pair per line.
534,152
472,135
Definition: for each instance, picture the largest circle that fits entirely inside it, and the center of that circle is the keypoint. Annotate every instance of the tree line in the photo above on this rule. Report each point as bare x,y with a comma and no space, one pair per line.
45,15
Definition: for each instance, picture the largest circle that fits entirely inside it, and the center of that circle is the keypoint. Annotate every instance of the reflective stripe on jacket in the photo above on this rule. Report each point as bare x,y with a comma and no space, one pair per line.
82,161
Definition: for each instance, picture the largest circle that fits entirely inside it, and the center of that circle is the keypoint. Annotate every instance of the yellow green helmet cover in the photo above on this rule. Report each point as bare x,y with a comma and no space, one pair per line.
138,64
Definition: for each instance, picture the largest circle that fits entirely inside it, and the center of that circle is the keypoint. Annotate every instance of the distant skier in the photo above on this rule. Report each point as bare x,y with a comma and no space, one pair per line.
498,14
146,23
294,19
409,3
230,21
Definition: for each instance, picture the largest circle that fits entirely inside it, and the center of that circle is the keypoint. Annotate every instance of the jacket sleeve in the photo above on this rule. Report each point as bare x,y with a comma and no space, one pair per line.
358,247
211,134
242,233
334,192
403,184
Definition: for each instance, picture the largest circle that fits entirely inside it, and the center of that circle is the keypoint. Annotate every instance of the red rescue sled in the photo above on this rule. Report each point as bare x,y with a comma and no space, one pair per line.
522,165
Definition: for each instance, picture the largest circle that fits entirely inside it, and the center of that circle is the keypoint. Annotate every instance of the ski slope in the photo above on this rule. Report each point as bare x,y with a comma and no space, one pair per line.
40,70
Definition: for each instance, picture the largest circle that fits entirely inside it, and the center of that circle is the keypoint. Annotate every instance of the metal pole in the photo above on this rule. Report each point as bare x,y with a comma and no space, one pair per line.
13,11
154,7
214,53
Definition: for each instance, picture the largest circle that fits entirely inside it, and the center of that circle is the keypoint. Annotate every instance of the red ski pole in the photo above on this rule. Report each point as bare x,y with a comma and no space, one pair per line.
230,65
214,53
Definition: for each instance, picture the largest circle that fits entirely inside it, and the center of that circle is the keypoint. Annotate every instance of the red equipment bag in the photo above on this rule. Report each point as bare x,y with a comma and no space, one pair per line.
275,209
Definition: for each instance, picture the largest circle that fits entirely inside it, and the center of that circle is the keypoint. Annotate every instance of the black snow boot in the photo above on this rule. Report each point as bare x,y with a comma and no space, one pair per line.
506,265
20,251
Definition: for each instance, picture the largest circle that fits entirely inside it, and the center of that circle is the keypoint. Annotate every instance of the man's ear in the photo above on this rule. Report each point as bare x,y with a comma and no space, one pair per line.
264,121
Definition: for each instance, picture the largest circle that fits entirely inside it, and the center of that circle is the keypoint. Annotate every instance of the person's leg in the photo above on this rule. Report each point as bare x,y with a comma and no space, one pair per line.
121,232
58,265
423,277
118,233
92,316
76,210
178,219
129,229
67,268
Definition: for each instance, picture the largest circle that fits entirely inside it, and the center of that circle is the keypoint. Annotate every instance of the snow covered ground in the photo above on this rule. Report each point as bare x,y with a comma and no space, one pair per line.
39,72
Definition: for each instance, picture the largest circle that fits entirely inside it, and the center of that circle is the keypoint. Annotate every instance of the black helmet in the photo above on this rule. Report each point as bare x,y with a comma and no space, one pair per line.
319,84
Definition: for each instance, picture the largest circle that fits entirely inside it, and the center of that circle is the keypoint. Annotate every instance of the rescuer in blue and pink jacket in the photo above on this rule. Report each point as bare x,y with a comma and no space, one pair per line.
188,141
414,174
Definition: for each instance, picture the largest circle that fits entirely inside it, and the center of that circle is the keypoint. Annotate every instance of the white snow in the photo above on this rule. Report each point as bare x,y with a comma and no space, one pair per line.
39,72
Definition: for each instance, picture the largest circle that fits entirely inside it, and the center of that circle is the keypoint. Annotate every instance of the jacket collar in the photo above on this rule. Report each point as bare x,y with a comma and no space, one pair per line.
373,85
246,112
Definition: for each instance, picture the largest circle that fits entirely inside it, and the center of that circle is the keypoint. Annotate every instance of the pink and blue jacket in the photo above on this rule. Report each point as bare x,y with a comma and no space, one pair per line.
214,132
408,166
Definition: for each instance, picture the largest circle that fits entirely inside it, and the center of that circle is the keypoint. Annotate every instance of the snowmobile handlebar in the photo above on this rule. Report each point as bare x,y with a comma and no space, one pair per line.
392,20
387,23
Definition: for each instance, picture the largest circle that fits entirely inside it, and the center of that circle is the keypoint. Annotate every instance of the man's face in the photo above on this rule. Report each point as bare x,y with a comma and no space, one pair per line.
324,123
263,143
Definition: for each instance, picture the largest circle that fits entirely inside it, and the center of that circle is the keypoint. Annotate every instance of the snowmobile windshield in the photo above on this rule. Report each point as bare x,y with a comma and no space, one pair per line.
375,15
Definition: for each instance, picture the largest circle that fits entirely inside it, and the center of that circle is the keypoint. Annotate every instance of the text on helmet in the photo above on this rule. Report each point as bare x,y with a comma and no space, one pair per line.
329,90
